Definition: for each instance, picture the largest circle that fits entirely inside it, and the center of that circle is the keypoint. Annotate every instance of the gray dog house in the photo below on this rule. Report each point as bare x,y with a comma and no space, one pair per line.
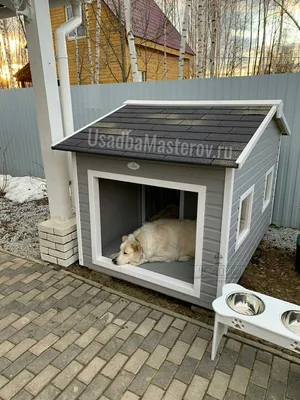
215,162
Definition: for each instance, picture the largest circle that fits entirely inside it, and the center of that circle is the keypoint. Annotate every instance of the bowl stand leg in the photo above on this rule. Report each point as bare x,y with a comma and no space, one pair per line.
219,330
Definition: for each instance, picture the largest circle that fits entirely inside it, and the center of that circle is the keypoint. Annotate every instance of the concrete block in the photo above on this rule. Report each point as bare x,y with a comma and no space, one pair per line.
44,250
60,254
59,239
69,261
47,244
67,246
48,258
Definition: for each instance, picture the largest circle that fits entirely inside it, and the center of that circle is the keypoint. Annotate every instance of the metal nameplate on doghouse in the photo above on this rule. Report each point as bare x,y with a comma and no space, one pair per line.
133,165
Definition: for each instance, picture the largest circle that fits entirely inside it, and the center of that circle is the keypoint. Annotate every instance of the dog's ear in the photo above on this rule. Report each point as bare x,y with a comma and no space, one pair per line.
136,246
124,238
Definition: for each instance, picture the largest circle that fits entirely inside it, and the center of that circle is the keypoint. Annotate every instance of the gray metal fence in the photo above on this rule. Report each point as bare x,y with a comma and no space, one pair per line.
18,126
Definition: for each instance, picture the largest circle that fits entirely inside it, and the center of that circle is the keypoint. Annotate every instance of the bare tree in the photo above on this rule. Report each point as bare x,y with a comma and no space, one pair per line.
201,38
288,13
4,30
89,46
131,43
97,41
212,57
183,39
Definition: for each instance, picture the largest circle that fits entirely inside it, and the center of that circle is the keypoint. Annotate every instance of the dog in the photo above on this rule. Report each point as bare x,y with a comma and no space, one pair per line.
162,240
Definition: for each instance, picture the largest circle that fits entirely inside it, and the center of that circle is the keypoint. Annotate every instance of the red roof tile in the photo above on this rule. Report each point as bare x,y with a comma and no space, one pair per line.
148,23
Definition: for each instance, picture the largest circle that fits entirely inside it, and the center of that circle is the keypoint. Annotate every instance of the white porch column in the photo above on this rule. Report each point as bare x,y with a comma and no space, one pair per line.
58,236
43,71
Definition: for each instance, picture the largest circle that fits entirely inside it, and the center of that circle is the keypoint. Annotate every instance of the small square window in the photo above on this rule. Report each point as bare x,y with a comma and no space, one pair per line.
245,214
268,188
78,32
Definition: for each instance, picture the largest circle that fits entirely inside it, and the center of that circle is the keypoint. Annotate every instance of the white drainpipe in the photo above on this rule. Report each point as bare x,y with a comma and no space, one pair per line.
63,67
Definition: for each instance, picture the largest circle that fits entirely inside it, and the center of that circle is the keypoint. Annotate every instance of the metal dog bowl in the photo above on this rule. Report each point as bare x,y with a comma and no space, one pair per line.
291,319
245,303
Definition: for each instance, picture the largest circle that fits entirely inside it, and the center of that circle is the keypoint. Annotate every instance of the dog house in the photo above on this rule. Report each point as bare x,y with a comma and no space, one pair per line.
213,161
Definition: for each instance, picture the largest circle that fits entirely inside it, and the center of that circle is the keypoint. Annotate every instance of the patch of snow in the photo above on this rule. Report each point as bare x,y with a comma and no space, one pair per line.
23,189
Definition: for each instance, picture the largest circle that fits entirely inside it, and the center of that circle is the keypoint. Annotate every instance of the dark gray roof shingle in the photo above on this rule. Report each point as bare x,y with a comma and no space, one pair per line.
212,135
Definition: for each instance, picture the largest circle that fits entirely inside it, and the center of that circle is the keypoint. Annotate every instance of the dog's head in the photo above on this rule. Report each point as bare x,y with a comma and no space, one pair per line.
130,251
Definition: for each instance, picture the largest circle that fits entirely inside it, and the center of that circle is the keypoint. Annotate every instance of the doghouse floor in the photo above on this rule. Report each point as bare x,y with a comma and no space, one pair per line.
183,271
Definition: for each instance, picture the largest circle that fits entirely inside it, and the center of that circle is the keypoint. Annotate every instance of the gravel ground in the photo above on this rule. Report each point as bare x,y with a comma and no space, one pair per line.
18,229
283,239
18,226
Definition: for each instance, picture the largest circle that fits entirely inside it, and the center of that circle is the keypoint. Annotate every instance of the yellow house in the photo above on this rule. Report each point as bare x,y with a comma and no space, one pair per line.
99,52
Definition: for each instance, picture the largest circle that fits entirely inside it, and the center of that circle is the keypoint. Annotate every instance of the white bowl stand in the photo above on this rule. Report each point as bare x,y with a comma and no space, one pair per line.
267,325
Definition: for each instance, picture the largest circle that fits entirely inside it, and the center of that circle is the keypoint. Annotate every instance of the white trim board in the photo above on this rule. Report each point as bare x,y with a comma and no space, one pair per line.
240,237
225,228
255,138
77,208
266,203
270,103
86,126
134,271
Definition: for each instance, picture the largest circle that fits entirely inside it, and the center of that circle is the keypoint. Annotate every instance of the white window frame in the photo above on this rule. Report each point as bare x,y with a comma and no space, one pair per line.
241,236
267,201
191,289
74,37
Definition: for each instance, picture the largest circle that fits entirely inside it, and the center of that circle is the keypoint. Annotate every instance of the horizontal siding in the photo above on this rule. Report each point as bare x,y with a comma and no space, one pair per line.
213,179
262,158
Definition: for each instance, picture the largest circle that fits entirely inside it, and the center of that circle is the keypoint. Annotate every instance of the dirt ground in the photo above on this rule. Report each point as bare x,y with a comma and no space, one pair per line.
270,271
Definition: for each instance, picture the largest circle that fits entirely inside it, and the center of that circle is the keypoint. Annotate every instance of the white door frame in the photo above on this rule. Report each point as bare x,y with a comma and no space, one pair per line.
135,271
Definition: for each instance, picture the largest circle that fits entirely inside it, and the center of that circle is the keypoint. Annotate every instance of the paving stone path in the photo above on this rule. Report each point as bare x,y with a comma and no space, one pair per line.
63,338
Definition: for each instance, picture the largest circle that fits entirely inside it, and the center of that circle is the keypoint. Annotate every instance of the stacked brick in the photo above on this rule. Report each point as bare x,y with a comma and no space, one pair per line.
58,242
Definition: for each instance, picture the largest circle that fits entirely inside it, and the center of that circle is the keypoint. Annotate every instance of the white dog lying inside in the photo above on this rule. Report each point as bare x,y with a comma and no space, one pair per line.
162,240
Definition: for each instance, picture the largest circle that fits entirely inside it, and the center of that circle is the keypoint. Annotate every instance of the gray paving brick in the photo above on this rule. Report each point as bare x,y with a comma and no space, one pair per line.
17,366
67,374
187,369
293,391
89,352
83,325
227,361
231,395
119,306
276,390
164,323
145,327
76,283
240,379
87,337
218,385
178,352
63,343
165,374
15,385
73,391
136,361
151,341
179,324
23,333
123,317
170,337
142,380
175,391
264,356
105,336
111,348
247,356
42,361
81,290
207,367
113,298
189,333
261,373
7,333
102,295
19,349
50,302
5,347
205,334
153,393
49,393
66,356
197,388
89,372
95,388
4,363
233,345
256,393
155,315
41,380
280,369
119,385
23,395
131,344
44,344
140,315
115,364
126,330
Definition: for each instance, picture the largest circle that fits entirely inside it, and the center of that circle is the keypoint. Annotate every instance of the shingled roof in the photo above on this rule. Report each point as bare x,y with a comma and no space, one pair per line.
205,135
